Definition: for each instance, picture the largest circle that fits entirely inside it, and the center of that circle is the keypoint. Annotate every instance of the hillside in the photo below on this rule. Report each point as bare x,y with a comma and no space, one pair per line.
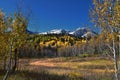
61,37
55,40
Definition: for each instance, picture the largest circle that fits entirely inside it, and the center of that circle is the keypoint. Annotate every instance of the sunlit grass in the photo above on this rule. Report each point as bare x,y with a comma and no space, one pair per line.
65,68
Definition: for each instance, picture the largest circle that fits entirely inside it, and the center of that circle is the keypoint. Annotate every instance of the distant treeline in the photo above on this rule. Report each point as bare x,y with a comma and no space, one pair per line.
64,45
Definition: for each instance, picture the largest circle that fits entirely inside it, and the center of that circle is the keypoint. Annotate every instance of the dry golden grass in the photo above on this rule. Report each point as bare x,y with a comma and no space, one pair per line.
66,68
68,65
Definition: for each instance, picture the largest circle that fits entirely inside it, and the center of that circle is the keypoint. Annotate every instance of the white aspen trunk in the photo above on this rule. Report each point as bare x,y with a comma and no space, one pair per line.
115,61
114,56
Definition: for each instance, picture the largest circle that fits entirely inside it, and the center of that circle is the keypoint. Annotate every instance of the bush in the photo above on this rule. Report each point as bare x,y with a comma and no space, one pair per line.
84,55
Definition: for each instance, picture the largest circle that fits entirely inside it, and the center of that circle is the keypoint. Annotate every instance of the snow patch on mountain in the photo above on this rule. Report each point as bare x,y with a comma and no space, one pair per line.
44,33
89,34
57,31
79,32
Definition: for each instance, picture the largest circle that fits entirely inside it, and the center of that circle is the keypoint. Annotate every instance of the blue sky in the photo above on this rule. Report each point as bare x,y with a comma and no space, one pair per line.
52,14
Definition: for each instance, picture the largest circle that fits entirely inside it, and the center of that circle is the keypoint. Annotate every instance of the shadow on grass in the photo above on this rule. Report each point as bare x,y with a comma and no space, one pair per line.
40,75
45,75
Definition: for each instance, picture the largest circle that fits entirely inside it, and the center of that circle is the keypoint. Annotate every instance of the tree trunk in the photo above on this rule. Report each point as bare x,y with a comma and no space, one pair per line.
15,61
4,64
9,64
115,61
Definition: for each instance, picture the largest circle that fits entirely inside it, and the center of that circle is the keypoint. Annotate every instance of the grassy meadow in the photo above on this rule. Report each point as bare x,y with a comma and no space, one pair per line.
64,68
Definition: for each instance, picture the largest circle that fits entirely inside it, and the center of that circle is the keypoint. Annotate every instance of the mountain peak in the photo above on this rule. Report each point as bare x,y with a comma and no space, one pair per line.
57,31
83,28
79,32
